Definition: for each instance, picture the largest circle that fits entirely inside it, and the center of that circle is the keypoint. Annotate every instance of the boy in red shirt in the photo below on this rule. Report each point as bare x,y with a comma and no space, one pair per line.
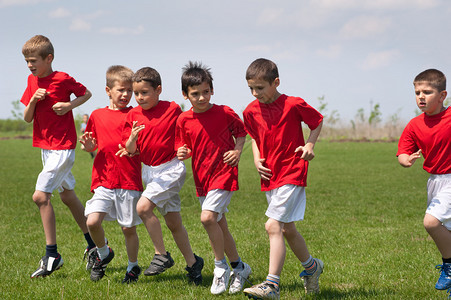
150,130
116,180
429,134
281,157
48,106
206,133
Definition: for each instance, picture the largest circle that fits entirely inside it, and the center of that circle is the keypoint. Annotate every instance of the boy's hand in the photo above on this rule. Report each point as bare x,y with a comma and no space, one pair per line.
135,130
39,95
88,143
232,157
183,153
123,152
61,108
407,160
414,156
264,172
307,151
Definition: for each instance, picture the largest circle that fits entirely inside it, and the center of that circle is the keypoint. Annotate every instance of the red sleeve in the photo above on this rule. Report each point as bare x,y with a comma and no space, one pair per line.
310,116
179,134
407,144
236,125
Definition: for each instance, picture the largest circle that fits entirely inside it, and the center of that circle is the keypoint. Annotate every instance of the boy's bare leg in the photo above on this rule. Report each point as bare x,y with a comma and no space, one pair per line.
131,242
145,209
229,242
439,233
214,231
296,241
174,223
94,223
277,250
71,200
42,200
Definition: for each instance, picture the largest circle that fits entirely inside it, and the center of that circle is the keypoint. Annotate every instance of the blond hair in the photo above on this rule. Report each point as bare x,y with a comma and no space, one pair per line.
38,44
118,73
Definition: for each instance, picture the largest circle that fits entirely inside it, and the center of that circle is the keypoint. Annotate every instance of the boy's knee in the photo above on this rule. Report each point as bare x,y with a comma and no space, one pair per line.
129,231
41,198
208,218
93,222
173,221
430,222
143,207
273,227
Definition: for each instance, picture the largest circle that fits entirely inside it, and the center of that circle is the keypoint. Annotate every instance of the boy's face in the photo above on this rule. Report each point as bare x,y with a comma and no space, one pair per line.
429,99
199,96
40,67
120,94
264,91
145,94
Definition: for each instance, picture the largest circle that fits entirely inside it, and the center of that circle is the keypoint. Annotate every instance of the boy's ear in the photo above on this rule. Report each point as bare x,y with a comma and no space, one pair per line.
108,91
276,82
49,58
185,95
443,95
158,89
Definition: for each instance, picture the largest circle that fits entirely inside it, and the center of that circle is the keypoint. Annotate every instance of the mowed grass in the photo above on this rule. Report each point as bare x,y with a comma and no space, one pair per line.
363,219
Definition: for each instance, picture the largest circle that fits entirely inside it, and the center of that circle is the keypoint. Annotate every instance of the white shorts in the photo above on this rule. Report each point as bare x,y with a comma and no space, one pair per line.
439,198
56,173
286,203
118,204
163,184
217,201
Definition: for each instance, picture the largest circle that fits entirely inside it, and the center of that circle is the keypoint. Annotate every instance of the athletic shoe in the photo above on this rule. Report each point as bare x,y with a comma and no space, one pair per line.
444,281
263,290
220,281
132,276
449,292
238,279
90,256
195,271
47,265
311,281
159,264
99,267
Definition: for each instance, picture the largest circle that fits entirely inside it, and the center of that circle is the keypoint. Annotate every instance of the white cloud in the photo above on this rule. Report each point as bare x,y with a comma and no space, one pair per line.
60,12
365,27
79,24
6,3
377,60
333,51
377,4
123,30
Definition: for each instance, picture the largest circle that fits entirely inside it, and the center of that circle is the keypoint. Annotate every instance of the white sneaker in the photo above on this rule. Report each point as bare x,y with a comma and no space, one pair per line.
311,281
220,281
238,279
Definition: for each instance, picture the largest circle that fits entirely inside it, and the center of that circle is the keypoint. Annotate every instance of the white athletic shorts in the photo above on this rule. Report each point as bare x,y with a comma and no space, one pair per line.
286,203
439,198
118,204
163,184
217,201
56,173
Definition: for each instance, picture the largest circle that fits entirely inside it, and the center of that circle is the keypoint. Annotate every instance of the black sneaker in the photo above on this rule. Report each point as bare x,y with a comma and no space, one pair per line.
90,256
132,276
159,264
195,271
47,265
99,267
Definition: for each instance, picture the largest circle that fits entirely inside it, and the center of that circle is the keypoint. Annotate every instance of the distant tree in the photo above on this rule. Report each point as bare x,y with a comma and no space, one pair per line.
375,115
331,118
17,111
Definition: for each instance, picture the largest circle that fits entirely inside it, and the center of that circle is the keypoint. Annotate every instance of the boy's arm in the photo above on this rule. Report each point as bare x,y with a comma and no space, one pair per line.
232,157
307,149
61,108
28,113
407,160
130,145
265,173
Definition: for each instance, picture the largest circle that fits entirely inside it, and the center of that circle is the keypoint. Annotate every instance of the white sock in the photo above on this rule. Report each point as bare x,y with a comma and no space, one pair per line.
103,252
131,265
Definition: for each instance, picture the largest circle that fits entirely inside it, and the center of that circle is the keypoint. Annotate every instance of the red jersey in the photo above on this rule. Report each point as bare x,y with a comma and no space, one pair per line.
209,135
431,134
50,131
156,141
277,130
109,170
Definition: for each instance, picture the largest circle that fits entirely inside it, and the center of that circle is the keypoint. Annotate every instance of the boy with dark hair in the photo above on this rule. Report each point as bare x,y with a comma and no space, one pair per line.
213,136
429,134
150,130
116,181
49,107
281,157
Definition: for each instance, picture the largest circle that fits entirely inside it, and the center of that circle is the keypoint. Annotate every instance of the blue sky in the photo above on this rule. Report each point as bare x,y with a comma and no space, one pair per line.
353,52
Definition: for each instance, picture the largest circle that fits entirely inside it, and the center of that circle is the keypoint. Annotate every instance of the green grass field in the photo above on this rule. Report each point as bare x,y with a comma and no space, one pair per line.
363,219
